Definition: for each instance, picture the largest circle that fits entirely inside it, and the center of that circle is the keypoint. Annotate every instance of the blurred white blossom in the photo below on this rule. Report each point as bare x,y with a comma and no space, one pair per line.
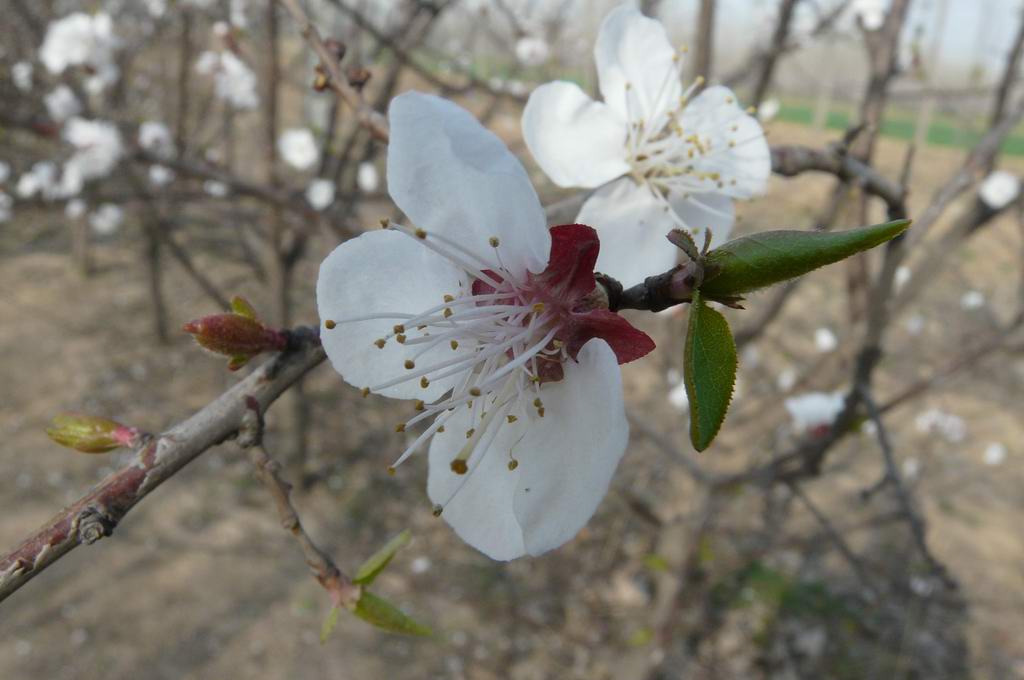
420,565
62,104
81,39
215,188
814,412
532,51
320,193
41,179
768,109
786,380
21,74
995,453
825,340
160,175
901,278
999,189
98,150
915,324
870,12
75,209
233,80
106,219
367,177
298,148
950,427
972,299
156,8
156,137
678,398
911,468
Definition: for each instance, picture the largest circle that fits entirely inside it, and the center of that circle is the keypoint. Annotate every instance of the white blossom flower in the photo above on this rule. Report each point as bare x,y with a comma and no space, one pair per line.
367,178
911,468
678,398
532,51
21,74
825,340
237,13
768,109
216,189
62,104
156,137
41,179
972,299
6,207
106,219
156,8
75,209
901,278
814,412
298,148
81,39
995,453
871,13
660,158
492,323
950,427
233,80
98,149
999,189
160,175
5,171
786,379
420,565
320,193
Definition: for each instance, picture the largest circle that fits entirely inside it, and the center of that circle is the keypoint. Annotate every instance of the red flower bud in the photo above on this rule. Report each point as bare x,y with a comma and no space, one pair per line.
238,334
90,434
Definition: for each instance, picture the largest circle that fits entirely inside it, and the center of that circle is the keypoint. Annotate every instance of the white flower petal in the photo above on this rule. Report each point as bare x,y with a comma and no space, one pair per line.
567,458
452,176
706,211
382,272
578,142
634,50
631,224
739,158
479,504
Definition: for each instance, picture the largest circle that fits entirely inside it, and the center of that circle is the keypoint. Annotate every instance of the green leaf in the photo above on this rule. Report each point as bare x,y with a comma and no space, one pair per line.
379,612
709,369
372,567
760,260
329,623
241,306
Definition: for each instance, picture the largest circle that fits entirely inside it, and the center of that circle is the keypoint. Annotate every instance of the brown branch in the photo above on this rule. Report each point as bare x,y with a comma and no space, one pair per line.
157,459
250,437
372,120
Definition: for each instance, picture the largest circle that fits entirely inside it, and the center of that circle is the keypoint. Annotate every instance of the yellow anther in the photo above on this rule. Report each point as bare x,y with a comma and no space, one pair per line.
409,364
470,432
475,391
557,344
538,307
329,325
384,222
729,100
419,328
447,312
420,405
540,411
380,342
459,466
398,329
440,429
512,419
513,464
454,344
699,80
449,298
438,510
424,383
400,427
537,402
391,470
493,241
421,234
400,338
365,392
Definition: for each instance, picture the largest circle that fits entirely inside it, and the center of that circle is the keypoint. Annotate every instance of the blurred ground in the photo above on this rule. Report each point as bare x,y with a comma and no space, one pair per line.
200,581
